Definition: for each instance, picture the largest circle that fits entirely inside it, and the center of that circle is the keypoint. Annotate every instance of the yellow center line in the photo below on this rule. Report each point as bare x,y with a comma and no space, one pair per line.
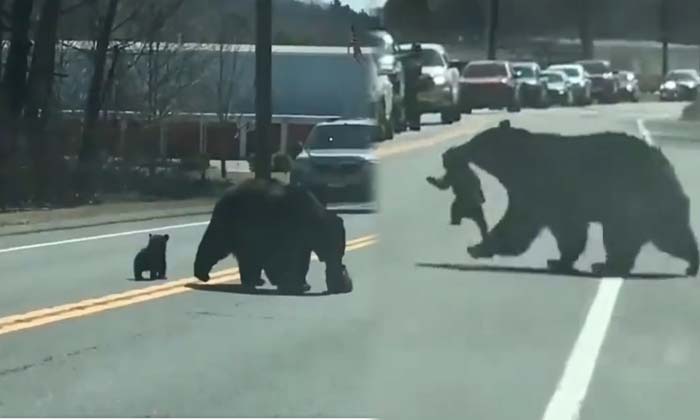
87,307
452,134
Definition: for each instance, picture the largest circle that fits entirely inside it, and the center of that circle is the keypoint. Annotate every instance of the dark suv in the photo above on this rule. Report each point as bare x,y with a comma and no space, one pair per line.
533,86
605,84
489,84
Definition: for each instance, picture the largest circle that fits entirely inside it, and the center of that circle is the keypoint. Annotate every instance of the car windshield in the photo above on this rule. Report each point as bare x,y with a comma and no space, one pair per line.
681,76
351,136
595,67
570,71
486,70
525,71
430,57
553,77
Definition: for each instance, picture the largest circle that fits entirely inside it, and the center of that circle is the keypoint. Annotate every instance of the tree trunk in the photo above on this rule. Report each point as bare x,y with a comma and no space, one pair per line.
585,31
40,88
15,80
3,29
12,95
88,158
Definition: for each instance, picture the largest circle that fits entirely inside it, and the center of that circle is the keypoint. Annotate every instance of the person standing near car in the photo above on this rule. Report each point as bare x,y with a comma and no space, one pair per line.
413,68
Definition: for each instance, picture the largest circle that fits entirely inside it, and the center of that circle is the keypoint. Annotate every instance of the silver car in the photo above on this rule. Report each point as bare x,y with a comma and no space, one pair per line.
579,79
680,85
558,87
338,163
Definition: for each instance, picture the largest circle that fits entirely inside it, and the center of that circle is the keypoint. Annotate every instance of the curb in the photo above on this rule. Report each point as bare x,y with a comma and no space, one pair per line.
103,223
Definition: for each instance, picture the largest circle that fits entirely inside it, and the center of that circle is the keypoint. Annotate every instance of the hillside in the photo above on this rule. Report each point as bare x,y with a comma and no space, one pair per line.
294,22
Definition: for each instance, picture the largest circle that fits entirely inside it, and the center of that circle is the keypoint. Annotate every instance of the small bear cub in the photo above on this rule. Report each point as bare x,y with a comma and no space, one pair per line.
152,258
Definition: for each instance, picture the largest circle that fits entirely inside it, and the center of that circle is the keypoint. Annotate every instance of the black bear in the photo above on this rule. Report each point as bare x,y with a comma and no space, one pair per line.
274,227
469,195
152,258
563,183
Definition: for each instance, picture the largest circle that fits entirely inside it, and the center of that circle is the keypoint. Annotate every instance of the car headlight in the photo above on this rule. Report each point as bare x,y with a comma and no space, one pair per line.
608,75
439,80
387,62
670,85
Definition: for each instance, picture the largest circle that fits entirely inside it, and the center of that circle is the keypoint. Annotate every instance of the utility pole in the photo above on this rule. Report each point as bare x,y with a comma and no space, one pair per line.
494,10
263,89
664,31
585,30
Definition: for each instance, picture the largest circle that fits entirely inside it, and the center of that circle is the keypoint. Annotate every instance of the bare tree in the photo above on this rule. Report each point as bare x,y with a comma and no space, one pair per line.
40,87
13,93
232,28
88,157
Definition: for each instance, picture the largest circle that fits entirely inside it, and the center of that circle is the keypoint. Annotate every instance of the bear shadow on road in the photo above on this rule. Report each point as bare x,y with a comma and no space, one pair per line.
537,270
238,289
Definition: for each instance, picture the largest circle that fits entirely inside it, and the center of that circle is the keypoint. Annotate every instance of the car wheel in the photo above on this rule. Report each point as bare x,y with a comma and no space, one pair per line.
446,117
389,130
569,100
399,120
544,100
514,105
456,115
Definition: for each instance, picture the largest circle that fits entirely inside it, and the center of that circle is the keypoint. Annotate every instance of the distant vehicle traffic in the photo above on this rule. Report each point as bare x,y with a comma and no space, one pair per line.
559,88
443,95
629,86
680,85
489,84
338,162
385,51
533,88
579,81
605,85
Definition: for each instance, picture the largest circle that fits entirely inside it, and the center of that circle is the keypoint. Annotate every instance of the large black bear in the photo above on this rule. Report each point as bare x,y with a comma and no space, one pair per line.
274,227
566,182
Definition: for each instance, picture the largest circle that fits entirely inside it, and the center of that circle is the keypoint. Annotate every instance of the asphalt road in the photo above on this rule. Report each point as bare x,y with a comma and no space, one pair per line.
428,332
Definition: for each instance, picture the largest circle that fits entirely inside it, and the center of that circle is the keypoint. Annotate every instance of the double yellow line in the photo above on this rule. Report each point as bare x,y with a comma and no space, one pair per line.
87,307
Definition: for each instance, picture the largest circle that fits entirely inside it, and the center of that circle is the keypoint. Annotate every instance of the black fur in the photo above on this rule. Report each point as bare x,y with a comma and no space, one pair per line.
563,183
152,258
274,227
469,196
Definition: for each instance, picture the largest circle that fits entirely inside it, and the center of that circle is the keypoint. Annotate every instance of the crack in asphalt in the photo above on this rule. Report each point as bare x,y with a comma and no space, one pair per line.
224,315
45,360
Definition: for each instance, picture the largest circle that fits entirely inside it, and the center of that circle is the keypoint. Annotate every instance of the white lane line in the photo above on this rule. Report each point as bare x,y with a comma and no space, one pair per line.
572,388
646,134
107,236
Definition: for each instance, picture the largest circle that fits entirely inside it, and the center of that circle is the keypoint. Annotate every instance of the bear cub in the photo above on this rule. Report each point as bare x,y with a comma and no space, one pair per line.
152,258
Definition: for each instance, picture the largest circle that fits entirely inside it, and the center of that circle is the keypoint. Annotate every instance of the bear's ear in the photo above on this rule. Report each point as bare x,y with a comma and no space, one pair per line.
504,124
150,236
166,236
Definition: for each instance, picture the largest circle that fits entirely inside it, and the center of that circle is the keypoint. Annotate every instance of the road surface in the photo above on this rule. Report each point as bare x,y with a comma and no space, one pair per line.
427,333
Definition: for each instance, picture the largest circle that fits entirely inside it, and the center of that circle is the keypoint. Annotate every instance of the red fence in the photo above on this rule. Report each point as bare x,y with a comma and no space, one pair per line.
179,139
